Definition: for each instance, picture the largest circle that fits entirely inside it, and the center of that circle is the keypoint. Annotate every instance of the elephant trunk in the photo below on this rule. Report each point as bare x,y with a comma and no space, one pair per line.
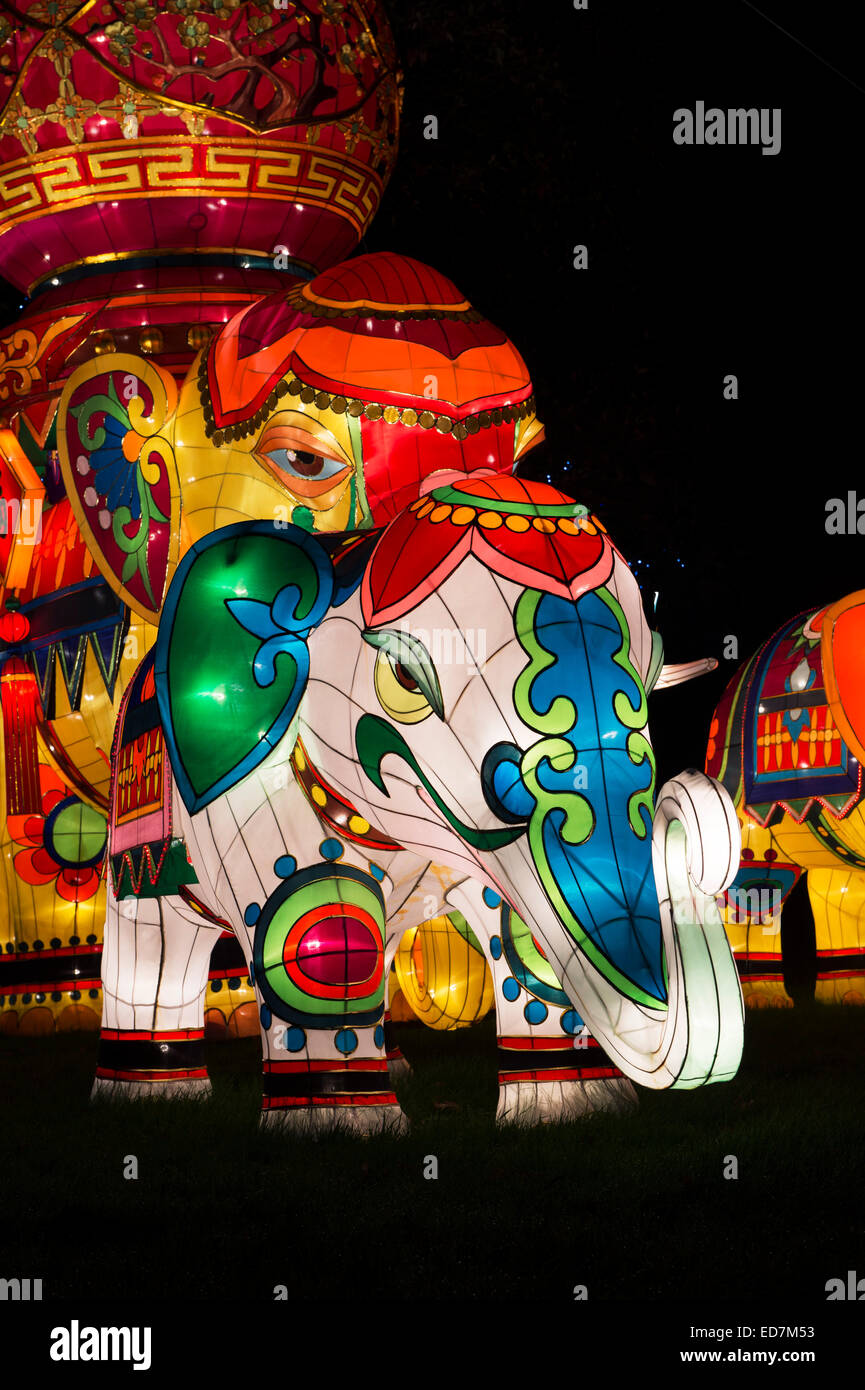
653,976
695,852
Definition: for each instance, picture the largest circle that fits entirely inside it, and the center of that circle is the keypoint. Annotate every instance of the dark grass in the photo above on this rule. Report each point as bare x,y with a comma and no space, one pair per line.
635,1208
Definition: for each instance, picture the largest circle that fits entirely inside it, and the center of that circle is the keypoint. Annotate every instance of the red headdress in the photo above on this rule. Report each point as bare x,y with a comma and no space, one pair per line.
392,343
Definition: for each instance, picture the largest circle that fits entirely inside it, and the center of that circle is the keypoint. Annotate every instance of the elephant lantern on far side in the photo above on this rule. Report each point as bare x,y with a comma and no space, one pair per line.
788,742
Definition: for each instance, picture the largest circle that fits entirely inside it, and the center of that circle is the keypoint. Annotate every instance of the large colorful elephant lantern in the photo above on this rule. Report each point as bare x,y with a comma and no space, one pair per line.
788,742
469,687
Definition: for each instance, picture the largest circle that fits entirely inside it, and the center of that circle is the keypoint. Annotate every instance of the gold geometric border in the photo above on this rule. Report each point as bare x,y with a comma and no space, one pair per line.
115,170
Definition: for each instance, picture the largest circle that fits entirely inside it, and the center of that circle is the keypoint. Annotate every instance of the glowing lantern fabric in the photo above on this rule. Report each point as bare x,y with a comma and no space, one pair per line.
785,743
146,856
442,973
21,497
201,167
19,695
790,750
52,909
493,521
842,629
63,646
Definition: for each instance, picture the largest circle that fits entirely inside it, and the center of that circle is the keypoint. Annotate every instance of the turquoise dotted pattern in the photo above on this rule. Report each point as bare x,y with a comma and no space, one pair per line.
346,1041
571,1021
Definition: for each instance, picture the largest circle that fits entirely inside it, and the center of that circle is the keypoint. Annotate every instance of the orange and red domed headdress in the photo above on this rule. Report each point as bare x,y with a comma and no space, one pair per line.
392,345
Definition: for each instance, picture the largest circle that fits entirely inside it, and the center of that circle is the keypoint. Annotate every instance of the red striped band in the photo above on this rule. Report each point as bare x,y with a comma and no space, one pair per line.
338,1098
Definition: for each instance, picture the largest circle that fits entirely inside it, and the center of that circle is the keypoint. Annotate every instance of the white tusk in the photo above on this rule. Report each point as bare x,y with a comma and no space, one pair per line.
684,671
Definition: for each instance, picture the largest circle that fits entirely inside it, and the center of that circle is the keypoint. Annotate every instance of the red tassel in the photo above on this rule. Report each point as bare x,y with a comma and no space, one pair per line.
19,695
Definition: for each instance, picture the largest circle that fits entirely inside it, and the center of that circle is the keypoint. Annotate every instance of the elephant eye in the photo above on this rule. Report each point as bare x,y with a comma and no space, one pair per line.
299,463
405,679
307,472
404,676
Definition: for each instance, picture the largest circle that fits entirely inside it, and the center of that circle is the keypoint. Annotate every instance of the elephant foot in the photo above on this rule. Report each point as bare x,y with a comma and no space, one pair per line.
360,1121
187,1089
543,1082
766,993
839,989
617,1096
549,1102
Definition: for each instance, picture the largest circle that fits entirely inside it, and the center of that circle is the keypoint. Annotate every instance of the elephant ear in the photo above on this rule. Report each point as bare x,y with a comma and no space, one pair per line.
114,423
231,660
842,653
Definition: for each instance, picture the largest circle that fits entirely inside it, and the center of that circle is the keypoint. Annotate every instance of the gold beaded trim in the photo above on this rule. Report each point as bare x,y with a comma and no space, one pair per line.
349,405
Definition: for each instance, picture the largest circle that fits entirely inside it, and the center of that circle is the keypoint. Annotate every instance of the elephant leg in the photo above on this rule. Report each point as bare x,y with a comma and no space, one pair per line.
320,1080
155,965
838,903
550,1067
318,960
309,910
751,912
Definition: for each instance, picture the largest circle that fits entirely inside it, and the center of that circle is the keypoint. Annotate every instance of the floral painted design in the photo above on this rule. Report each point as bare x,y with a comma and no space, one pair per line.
121,41
194,33
63,845
125,476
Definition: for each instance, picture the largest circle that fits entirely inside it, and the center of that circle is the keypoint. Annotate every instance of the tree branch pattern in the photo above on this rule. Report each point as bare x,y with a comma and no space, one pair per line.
285,61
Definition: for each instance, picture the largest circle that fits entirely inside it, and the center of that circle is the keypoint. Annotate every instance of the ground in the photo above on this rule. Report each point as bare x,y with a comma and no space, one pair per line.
634,1209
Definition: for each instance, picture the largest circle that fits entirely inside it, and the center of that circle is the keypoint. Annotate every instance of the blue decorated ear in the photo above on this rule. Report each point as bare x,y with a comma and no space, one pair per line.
231,658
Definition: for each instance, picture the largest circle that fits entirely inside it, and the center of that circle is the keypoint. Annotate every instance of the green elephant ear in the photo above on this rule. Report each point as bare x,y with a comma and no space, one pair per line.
231,660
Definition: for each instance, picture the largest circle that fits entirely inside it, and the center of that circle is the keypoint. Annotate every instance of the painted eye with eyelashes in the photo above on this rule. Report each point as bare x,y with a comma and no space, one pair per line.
405,678
306,464
300,463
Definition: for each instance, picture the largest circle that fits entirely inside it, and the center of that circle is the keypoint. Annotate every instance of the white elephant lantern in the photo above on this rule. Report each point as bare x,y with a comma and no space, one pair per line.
455,705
